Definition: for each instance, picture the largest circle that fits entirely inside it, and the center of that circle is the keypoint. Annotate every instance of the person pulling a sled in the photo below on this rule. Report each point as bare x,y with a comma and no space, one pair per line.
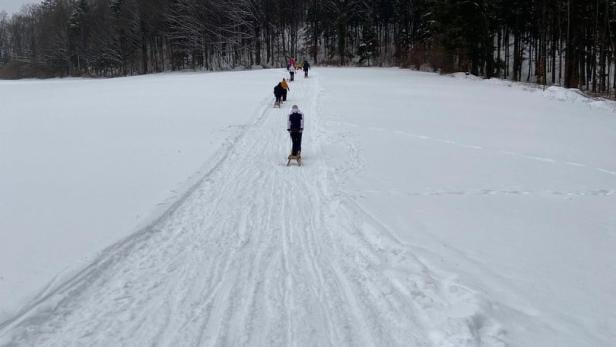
285,87
278,93
295,127
306,66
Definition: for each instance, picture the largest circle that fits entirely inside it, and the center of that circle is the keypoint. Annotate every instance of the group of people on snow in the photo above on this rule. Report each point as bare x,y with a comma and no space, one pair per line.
280,92
295,123
282,88
293,67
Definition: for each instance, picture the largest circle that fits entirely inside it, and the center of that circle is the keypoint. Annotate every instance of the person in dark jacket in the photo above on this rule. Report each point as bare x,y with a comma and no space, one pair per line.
285,89
306,68
295,127
278,92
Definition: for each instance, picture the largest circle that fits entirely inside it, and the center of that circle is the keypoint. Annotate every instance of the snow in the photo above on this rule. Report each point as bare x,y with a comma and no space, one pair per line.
87,162
509,188
430,211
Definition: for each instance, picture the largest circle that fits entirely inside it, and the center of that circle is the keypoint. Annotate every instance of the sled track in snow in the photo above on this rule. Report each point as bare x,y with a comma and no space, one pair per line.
260,254
114,252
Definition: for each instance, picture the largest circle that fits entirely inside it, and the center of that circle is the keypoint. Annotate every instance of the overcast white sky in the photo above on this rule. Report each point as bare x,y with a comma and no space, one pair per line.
12,6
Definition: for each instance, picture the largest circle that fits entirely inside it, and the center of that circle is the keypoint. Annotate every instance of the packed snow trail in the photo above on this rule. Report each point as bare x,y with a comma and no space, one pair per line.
260,254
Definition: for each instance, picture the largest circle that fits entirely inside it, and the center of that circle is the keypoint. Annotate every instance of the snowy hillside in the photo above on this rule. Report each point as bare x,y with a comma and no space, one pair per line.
431,210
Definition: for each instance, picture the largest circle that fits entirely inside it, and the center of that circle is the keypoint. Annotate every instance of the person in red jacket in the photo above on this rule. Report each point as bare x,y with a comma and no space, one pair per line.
292,62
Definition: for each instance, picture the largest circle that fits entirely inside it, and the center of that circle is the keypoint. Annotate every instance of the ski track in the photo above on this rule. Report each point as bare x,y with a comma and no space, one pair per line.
421,137
600,193
260,254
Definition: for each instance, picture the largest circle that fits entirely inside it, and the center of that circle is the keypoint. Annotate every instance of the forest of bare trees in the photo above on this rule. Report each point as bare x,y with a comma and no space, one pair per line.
561,42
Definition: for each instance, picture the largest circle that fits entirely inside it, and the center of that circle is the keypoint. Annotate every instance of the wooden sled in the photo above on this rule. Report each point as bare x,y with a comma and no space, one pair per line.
297,158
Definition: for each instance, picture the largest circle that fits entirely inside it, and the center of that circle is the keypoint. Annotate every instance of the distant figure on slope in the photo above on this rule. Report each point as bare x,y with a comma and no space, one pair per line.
278,93
291,63
285,87
295,127
292,73
306,67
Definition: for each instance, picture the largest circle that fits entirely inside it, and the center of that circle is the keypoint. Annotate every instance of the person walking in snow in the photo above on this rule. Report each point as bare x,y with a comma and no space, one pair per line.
291,63
306,67
285,87
295,127
278,93
292,73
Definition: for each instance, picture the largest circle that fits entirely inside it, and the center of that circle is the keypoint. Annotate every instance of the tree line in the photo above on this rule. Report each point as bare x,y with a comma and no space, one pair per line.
550,42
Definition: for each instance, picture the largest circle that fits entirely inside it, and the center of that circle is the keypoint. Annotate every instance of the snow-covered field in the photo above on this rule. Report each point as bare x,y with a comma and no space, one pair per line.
84,163
431,210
